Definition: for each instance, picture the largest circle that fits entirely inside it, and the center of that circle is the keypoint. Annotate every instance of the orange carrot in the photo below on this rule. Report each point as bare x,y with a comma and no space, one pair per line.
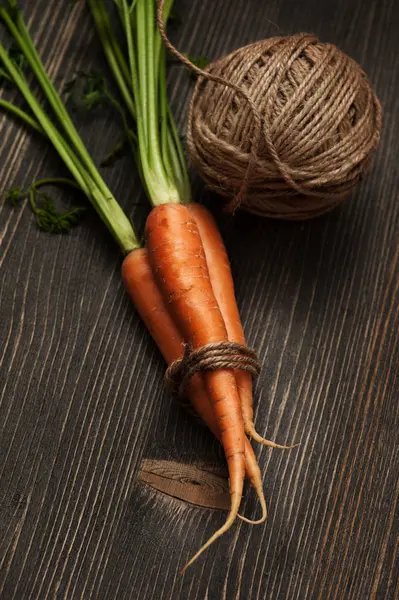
139,281
142,288
223,288
177,258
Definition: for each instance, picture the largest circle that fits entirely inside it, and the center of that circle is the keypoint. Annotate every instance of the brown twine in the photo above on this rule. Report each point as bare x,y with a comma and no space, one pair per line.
211,357
241,190
283,127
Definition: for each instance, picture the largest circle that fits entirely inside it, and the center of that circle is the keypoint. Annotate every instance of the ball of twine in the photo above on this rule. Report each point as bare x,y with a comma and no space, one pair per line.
290,132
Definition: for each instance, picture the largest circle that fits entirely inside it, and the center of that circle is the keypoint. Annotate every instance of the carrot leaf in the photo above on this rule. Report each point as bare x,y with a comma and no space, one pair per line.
48,217
86,89
61,132
120,150
14,195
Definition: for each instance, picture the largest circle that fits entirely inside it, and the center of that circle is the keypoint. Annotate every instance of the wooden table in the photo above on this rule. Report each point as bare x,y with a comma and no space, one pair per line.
89,438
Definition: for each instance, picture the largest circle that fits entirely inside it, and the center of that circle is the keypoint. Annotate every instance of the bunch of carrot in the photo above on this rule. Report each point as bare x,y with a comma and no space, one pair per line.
181,283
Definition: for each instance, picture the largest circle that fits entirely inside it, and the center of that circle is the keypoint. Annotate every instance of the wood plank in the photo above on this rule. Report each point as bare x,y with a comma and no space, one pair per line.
82,405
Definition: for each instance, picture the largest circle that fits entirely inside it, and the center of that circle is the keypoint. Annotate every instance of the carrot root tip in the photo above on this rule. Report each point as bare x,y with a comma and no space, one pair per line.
254,435
257,485
235,505
254,522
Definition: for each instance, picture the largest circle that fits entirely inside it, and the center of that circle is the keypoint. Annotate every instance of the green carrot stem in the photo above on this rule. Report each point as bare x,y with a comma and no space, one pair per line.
20,114
149,80
155,190
159,155
44,122
172,150
22,37
55,181
175,143
158,40
113,53
80,165
141,31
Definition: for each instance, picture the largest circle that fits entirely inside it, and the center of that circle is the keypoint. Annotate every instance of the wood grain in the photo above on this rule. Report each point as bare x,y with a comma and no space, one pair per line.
82,403
196,484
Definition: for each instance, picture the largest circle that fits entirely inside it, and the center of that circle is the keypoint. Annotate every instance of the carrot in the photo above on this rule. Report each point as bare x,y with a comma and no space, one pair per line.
223,288
178,261
141,286
139,281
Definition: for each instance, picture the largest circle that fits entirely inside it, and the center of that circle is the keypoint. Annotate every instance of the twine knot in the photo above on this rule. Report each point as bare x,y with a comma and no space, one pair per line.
211,357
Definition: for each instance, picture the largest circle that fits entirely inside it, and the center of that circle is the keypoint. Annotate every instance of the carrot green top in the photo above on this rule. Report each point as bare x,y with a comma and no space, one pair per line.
63,136
140,73
141,79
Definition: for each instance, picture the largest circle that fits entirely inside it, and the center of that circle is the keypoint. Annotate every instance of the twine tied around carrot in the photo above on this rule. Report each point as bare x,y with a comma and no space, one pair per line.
211,357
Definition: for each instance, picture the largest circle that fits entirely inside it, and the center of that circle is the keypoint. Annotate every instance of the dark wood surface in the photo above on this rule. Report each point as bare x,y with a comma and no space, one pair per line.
83,413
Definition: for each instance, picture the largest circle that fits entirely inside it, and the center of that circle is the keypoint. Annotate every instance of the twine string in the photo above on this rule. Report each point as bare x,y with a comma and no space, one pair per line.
300,139
211,357
206,74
